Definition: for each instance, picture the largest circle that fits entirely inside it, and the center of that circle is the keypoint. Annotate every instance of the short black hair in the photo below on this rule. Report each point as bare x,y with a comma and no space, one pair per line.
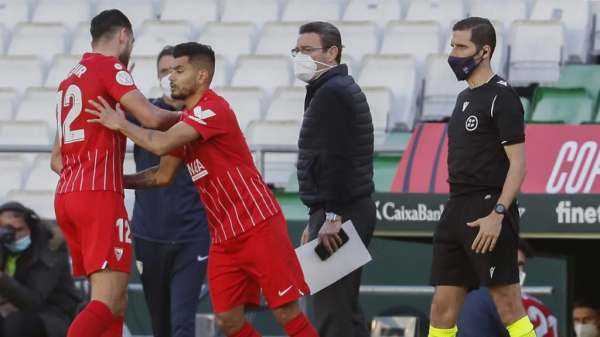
482,32
168,50
525,248
329,34
592,302
197,54
107,23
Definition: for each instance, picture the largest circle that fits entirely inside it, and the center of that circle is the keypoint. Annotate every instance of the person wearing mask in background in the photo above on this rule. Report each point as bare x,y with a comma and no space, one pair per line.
37,291
586,317
170,233
479,316
335,167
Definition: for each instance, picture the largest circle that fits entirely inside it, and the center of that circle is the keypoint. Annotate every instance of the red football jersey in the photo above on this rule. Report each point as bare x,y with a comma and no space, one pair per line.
221,166
545,324
92,155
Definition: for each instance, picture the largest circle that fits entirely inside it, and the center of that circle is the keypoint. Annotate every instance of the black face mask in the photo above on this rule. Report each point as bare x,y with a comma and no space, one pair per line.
464,66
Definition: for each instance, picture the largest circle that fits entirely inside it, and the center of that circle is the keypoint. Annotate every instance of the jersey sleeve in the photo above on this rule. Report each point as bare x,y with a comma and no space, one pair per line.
209,121
180,153
509,116
116,78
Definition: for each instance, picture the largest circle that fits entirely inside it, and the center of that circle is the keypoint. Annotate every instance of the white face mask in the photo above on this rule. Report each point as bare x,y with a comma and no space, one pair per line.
586,330
522,278
165,85
305,67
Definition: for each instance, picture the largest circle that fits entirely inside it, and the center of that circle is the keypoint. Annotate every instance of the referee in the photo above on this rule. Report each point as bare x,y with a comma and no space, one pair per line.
476,240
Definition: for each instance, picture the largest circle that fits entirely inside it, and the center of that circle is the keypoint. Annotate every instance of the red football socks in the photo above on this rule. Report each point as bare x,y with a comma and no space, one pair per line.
299,326
116,328
246,331
93,321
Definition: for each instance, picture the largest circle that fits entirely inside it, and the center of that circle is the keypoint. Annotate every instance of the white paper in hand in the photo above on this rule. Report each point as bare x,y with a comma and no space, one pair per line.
320,274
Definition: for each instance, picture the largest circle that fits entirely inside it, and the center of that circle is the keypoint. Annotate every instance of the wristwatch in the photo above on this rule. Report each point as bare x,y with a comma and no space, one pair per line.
330,216
500,209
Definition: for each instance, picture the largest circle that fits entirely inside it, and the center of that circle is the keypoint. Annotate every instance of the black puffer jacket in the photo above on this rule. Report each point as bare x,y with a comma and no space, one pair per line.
43,282
335,148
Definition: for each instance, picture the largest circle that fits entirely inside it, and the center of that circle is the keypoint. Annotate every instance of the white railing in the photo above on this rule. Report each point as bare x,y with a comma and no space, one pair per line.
258,150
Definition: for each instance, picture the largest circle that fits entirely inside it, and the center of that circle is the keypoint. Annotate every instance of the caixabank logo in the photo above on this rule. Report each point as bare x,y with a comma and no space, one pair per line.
422,212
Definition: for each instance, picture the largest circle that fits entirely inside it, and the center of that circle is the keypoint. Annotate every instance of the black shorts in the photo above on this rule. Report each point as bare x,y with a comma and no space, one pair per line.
455,263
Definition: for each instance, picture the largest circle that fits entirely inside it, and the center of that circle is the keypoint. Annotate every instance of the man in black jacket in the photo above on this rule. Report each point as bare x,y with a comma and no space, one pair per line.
37,291
335,167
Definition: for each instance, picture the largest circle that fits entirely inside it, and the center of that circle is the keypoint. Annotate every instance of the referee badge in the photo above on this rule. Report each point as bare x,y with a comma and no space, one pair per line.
471,123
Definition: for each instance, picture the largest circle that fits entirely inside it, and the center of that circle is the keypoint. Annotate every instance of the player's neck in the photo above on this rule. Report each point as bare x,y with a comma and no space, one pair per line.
106,50
480,76
191,101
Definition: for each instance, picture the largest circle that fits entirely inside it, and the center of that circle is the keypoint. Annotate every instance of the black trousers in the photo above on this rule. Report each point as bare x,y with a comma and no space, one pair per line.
336,308
22,324
172,277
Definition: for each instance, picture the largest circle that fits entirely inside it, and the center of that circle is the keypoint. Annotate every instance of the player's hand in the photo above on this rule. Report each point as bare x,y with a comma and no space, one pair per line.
107,116
329,235
489,230
304,239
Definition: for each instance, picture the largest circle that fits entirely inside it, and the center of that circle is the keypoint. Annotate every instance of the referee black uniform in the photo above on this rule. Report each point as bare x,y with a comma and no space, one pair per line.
484,120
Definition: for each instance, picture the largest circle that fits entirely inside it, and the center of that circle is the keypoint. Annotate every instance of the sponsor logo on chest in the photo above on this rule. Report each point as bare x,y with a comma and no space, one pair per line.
197,170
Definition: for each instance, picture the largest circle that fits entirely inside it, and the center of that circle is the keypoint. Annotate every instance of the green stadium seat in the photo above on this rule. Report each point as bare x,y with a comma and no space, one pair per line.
526,108
568,110
582,76
546,92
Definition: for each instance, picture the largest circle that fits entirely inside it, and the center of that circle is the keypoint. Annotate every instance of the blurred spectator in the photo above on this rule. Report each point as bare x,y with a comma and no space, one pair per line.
586,317
479,316
37,291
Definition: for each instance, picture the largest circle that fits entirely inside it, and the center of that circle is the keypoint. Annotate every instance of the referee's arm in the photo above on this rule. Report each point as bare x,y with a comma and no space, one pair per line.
336,120
509,117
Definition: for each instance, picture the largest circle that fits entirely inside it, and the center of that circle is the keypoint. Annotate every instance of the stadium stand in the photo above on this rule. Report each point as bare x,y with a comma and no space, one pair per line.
396,50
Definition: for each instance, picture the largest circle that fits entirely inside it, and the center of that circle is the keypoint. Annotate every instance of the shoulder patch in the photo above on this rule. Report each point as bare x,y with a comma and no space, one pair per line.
502,82
124,78
203,114
118,66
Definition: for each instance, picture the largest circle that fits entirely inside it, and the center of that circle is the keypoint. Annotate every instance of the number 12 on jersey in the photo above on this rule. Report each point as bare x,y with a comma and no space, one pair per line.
73,94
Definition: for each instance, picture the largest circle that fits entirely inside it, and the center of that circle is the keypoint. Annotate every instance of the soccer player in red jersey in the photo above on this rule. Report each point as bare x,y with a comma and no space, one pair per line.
251,248
544,322
89,158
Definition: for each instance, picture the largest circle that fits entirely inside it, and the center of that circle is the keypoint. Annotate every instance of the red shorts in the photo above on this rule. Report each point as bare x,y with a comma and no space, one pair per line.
263,257
96,227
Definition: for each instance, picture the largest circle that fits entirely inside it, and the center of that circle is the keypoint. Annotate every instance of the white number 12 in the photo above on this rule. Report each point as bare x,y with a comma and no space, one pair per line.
70,136
127,236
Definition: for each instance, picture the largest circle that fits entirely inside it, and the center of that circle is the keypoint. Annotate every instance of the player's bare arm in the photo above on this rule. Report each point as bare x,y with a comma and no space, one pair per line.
56,159
162,175
147,113
490,226
157,142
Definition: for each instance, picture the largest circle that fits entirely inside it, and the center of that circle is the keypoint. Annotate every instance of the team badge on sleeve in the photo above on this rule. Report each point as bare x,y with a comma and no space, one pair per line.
124,78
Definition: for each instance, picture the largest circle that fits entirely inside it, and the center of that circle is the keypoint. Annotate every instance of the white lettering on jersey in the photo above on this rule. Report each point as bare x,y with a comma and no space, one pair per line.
124,78
200,115
197,170
77,71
